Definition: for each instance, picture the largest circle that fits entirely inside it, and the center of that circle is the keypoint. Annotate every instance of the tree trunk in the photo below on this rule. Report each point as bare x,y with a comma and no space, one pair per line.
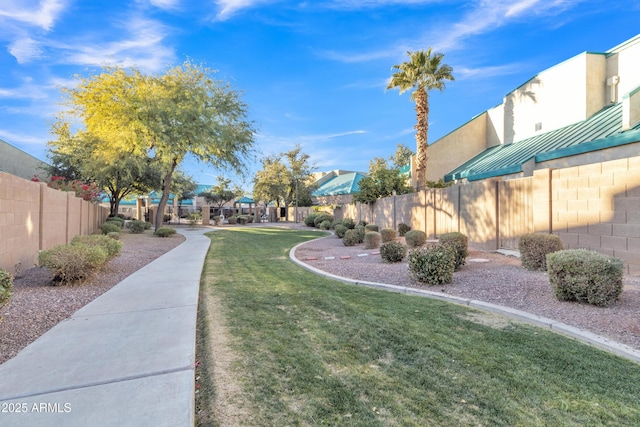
422,126
166,187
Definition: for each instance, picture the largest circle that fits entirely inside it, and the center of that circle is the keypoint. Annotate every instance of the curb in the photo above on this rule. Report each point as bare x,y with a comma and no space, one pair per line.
586,337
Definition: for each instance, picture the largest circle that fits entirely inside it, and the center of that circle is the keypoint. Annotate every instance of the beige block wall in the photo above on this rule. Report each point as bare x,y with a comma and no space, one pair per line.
19,223
593,206
34,217
597,207
456,147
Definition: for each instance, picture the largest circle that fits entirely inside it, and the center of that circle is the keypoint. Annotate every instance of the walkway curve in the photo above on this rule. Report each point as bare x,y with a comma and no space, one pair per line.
555,326
125,359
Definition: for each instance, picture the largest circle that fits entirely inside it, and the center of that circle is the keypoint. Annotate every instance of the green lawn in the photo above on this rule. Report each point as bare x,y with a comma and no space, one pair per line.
312,351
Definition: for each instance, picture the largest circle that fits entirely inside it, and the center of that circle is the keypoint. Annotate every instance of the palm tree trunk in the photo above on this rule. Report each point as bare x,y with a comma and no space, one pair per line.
422,126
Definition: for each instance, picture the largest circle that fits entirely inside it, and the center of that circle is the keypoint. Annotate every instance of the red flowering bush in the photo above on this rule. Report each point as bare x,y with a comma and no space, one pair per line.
88,192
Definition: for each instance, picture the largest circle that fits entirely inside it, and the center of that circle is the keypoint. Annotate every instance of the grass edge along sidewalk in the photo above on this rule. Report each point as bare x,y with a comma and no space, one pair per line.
307,350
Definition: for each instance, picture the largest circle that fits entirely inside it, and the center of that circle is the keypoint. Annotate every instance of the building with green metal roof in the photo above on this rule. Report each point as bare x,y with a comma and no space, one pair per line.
583,110
336,187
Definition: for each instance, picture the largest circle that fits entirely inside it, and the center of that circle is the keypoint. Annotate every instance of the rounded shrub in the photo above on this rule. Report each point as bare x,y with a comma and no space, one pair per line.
325,225
111,246
433,265
6,286
116,220
349,223
340,230
388,235
415,238
110,227
73,262
403,228
371,227
588,276
335,222
232,220
309,220
460,245
114,236
534,248
322,217
372,240
136,227
350,238
393,251
165,231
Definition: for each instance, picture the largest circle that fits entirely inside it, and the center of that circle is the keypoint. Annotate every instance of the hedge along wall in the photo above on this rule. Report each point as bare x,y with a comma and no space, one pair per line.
594,206
34,217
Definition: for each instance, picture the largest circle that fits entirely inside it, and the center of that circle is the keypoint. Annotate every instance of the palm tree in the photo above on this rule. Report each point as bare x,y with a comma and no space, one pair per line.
423,72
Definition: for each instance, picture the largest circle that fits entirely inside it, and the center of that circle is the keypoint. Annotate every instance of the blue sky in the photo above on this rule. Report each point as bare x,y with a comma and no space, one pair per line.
312,72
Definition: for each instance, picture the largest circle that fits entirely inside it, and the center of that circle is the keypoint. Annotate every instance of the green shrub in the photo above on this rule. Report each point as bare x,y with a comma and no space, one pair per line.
194,217
110,227
136,227
371,227
582,275
460,245
242,219
350,238
349,223
415,238
232,220
433,265
309,220
116,220
388,235
73,262
216,219
340,230
165,231
335,222
393,251
325,225
360,232
6,286
111,246
322,217
372,240
114,236
534,248
403,228
147,225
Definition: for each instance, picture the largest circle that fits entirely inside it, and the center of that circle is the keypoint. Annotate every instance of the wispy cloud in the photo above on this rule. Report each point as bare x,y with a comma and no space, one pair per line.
483,17
165,4
41,13
491,14
487,72
142,47
228,8
27,90
25,50
22,138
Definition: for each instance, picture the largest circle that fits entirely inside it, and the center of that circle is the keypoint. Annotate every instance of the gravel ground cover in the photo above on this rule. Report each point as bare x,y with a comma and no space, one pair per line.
500,280
36,306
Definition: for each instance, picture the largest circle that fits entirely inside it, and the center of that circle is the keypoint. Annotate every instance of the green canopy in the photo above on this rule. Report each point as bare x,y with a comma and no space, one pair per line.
245,199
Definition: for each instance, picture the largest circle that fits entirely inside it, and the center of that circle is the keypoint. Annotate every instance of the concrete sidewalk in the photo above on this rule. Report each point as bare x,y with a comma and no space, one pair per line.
125,359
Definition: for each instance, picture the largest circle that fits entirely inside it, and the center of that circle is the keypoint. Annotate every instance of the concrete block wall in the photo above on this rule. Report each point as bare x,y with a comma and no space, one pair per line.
594,206
34,217
597,207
